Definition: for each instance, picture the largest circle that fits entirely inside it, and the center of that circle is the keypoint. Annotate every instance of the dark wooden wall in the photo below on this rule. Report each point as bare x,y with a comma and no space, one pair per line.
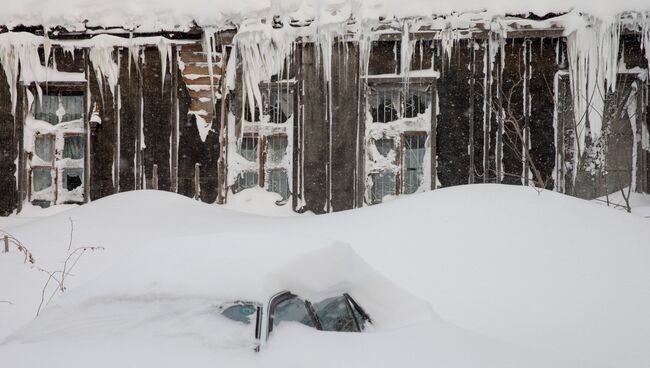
316,132
344,107
8,150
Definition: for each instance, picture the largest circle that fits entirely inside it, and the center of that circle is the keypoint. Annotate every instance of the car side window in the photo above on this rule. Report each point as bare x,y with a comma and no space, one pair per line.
335,314
293,309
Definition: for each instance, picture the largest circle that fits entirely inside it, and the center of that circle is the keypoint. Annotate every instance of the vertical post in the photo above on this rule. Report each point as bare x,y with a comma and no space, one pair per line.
487,125
499,117
470,142
197,183
174,114
6,241
223,143
155,176
434,134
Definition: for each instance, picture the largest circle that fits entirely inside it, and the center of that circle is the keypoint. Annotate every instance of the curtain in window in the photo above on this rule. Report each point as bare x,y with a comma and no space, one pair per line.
44,147
246,179
73,106
45,108
73,147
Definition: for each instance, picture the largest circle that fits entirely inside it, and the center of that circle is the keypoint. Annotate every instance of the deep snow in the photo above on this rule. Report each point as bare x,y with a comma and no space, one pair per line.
565,277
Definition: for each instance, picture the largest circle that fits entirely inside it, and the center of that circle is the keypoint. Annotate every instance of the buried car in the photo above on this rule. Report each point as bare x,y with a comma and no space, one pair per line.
215,301
339,313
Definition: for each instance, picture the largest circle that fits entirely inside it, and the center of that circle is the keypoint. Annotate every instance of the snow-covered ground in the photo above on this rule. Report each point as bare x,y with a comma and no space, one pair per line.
515,277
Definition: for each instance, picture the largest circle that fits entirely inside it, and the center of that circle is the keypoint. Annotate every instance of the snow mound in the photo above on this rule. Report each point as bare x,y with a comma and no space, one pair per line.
541,270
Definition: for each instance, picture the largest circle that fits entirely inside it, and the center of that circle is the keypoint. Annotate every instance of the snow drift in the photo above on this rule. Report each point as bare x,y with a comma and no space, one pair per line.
563,276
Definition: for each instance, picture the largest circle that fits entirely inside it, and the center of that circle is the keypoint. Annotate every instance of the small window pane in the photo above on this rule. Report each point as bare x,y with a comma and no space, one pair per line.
383,184
384,146
72,179
335,315
72,107
247,179
279,183
384,104
45,108
41,178
44,147
56,108
416,102
414,151
73,147
278,104
248,148
292,310
277,148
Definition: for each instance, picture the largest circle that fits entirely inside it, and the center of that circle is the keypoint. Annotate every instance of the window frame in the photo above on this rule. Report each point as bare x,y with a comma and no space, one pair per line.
60,131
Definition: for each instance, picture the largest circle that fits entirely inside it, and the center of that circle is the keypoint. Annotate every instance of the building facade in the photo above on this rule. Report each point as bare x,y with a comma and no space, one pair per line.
329,118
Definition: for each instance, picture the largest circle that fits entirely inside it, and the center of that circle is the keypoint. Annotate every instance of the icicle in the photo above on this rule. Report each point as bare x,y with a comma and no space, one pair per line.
593,64
165,50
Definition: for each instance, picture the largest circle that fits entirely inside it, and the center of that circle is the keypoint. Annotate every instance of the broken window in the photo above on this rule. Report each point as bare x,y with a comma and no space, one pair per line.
278,104
388,103
384,146
72,178
248,148
414,151
279,182
383,184
416,101
60,146
383,103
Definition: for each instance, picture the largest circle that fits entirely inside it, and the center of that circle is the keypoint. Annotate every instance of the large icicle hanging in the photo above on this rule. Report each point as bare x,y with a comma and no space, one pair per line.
593,64
263,51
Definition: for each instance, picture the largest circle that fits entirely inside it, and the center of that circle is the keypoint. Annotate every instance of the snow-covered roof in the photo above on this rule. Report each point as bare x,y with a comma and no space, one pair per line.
182,14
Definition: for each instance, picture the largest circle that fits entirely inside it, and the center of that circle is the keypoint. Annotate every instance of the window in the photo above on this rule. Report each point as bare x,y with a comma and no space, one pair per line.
335,314
387,103
383,184
292,309
414,151
248,148
72,178
276,148
58,107
41,178
44,147
57,159
340,313
384,146
247,179
279,183
383,103
73,147
265,140
278,104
